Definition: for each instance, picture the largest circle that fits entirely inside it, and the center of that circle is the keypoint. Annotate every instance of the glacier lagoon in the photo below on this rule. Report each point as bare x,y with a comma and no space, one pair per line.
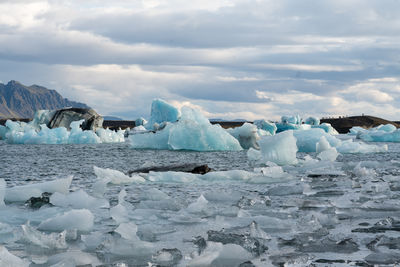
337,213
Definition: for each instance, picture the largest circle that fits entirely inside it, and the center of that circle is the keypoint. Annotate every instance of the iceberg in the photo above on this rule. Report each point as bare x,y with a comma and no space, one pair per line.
248,134
192,131
161,112
37,132
307,140
266,126
381,133
312,121
280,148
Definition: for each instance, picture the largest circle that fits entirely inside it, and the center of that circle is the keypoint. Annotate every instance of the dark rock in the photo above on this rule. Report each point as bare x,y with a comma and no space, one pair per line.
247,264
190,167
64,117
201,243
167,257
37,202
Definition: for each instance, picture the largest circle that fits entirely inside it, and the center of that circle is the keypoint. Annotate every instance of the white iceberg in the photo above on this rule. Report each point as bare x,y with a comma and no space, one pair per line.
280,148
10,260
248,134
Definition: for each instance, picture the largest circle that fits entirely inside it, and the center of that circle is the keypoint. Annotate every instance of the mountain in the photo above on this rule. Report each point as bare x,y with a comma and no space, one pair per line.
20,101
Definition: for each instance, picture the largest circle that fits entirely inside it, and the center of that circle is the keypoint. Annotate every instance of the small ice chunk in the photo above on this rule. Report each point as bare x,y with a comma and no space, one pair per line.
116,177
81,219
3,186
25,192
77,258
273,171
155,195
78,200
280,148
328,155
9,260
199,206
219,255
119,212
49,241
128,231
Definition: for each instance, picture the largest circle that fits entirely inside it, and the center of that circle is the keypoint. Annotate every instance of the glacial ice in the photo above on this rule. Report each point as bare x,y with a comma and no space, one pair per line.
312,121
3,186
307,140
381,133
266,126
73,258
162,112
10,260
25,192
34,133
280,148
79,219
78,200
247,135
3,131
116,177
48,241
191,132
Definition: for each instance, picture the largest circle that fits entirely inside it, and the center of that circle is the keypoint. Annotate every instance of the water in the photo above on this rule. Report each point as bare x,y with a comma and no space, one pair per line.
339,214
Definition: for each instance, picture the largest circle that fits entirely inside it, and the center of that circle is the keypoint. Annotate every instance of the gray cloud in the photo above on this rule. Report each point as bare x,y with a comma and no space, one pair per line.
249,58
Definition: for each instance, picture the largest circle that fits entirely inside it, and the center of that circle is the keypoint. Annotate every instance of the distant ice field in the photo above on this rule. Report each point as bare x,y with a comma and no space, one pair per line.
337,213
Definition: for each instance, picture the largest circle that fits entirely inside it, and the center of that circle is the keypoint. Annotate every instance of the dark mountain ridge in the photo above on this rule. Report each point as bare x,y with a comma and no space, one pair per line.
20,101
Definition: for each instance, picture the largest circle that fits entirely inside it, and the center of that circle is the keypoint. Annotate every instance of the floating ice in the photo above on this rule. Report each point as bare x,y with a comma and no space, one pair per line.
248,134
35,133
312,121
25,192
73,258
327,127
307,140
119,212
78,200
9,260
161,112
3,131
81,220
140,122
116,177
127,231
3,186
199,206
219,255
266,126
349,146
49,241
280,148
291,119
192,132
325,151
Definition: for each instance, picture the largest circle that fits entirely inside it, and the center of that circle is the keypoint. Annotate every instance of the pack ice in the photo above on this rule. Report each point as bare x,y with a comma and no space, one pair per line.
36,132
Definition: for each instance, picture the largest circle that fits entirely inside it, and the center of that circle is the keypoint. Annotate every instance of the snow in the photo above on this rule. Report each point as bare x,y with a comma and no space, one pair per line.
193,131
280,148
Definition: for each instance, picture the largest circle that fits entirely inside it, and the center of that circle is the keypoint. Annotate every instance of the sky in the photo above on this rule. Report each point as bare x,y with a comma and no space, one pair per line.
236,59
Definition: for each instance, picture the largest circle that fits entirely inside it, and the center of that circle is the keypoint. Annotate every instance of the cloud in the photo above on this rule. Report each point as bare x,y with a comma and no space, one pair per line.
243,58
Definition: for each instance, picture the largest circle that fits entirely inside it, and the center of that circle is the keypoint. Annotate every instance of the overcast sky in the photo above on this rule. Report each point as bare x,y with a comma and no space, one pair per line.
247,59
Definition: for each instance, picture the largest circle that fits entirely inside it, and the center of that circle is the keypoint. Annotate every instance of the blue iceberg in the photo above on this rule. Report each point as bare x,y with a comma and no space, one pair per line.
266,126
192,131
162,112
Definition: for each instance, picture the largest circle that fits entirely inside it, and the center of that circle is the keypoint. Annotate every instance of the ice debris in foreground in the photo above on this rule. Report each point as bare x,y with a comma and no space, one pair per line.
192,131
30,133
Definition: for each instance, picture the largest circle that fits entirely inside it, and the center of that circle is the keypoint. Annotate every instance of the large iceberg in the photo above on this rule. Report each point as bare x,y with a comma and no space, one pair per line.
31,133
192,131
161,112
